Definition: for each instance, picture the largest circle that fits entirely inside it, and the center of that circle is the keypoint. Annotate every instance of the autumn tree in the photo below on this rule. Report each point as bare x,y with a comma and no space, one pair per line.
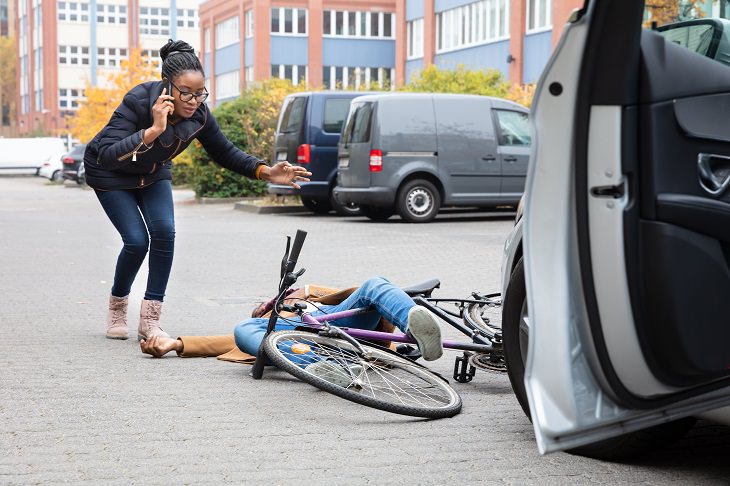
668,11
8,83
100,101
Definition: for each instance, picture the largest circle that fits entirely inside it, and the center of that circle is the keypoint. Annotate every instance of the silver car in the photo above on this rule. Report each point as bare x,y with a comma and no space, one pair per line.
616,278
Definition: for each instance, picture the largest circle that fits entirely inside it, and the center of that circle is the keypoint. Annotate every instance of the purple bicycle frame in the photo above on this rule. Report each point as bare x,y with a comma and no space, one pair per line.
315,322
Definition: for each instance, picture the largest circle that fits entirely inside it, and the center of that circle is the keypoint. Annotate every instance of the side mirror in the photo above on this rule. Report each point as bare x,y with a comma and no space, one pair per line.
706,37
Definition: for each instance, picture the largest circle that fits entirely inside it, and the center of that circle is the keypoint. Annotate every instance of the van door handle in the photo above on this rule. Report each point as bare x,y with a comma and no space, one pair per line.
510,159
489,158
714,173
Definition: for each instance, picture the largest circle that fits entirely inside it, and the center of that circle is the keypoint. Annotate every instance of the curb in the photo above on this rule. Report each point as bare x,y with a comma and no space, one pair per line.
251,208
222,200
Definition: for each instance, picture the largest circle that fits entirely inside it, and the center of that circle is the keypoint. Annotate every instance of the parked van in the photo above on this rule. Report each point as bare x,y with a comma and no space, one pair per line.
29,154
307,134
414,153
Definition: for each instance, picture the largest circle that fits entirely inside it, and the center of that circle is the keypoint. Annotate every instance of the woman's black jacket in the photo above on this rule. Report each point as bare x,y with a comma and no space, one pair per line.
117,158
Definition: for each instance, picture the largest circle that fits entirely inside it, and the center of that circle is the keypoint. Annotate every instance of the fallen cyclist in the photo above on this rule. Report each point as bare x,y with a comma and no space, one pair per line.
390,303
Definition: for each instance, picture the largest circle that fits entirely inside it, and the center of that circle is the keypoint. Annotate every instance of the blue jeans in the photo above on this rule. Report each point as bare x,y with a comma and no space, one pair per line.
145,218
388,300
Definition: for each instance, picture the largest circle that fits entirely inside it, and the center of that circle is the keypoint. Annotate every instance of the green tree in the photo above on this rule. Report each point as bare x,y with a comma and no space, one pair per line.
8,83
249,122
489,82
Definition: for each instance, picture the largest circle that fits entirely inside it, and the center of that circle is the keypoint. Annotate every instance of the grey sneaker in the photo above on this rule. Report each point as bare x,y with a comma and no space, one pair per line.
424,328
335,373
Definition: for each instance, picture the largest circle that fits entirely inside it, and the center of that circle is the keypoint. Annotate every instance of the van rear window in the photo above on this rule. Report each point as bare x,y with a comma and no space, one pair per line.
335,112
291,119
358,123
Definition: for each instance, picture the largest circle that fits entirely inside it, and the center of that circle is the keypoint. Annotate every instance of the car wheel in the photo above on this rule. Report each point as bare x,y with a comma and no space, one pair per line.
515,334
347,209
377,213
418,201
317,206
57,176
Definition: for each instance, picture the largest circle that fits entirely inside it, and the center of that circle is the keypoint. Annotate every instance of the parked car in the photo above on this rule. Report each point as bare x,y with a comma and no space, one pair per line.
52,168
28,155
307,134
72,161
615,278
414,153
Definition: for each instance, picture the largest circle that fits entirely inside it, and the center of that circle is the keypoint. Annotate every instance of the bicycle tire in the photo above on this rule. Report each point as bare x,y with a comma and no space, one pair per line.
484,316
387,381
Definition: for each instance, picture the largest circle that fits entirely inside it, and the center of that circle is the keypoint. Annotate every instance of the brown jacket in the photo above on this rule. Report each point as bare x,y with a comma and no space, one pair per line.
224,347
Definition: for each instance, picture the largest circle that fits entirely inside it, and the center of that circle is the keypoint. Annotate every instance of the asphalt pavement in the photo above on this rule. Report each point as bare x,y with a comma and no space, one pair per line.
76,407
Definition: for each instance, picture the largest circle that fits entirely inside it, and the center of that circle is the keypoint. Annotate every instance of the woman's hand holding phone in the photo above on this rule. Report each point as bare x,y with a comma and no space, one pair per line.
162,108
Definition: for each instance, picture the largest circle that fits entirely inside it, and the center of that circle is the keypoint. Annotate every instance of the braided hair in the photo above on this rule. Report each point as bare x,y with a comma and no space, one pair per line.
178,57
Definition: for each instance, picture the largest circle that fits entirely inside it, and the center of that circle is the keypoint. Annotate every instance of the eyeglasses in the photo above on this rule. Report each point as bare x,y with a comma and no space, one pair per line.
187,95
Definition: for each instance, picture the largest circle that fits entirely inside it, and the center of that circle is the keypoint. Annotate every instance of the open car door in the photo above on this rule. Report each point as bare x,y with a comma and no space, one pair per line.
627,231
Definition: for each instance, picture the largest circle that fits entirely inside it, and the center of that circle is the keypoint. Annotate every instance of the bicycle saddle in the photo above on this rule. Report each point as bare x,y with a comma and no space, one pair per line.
422,288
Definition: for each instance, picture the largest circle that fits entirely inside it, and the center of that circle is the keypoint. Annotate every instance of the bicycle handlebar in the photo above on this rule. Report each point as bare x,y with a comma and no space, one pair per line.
296,248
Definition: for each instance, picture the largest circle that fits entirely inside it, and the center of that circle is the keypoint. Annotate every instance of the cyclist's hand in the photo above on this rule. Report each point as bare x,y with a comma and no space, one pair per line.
285,173
162,108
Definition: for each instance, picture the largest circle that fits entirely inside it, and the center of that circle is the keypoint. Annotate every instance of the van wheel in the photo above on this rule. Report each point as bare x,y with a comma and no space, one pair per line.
317,206
418,201
515,333
377,213
348,209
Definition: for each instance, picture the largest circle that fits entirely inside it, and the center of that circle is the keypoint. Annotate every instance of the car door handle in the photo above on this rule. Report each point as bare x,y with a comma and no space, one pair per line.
714,173
510,159
489,158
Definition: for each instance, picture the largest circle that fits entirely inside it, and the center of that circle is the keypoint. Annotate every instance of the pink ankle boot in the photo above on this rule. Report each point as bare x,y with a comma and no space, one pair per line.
149,320
116,319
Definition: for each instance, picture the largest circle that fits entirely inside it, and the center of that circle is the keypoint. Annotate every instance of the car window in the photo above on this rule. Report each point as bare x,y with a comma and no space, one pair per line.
291,119
335,112
78,149
694,37
514,128
358,123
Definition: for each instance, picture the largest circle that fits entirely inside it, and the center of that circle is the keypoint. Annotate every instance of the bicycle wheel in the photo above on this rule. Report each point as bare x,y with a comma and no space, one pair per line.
485,316
382,379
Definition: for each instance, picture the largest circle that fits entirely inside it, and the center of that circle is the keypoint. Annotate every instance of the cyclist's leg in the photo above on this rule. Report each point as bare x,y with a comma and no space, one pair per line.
389,302
249,333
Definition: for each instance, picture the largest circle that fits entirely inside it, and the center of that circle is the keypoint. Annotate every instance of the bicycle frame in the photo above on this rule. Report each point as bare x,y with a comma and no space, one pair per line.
316,322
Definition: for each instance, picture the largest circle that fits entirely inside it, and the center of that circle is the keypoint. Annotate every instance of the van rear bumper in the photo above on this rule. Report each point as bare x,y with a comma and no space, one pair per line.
314,189
369,196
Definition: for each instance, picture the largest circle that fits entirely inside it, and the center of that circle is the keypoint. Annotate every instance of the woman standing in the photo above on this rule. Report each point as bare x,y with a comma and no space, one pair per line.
128,164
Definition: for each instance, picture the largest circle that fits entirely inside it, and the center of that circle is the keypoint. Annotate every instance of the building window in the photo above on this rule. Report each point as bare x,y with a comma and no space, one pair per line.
473,24
206,36
154,21
339,23
187,18
111,14
538,15
226,33
249,75
68,99
152,55
110,57
72,11
73,55
346,77
288,21
227,85
249,23
414,39
295,73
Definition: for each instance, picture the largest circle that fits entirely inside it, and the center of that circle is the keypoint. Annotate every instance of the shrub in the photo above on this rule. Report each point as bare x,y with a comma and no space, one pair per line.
249,122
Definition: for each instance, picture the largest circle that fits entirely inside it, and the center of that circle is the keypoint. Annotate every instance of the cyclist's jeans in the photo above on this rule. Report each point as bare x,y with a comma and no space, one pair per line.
389,301
133,212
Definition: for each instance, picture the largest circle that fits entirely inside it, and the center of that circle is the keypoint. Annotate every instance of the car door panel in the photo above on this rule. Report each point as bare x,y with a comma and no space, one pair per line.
629,284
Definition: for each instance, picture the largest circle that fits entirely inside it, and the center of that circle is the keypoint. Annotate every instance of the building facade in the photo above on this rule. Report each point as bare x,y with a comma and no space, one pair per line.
63,46
337,44
7,29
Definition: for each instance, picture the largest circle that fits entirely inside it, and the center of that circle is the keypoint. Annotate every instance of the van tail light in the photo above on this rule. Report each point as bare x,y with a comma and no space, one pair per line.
376,160
303,153
67,160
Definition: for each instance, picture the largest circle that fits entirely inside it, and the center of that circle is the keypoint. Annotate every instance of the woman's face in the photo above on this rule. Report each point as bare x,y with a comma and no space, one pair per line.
182,87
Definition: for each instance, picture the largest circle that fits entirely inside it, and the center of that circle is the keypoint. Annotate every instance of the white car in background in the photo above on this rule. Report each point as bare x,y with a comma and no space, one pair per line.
616,276
52,168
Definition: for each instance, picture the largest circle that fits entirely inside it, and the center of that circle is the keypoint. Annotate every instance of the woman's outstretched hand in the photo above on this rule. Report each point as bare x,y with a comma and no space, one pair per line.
285,173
